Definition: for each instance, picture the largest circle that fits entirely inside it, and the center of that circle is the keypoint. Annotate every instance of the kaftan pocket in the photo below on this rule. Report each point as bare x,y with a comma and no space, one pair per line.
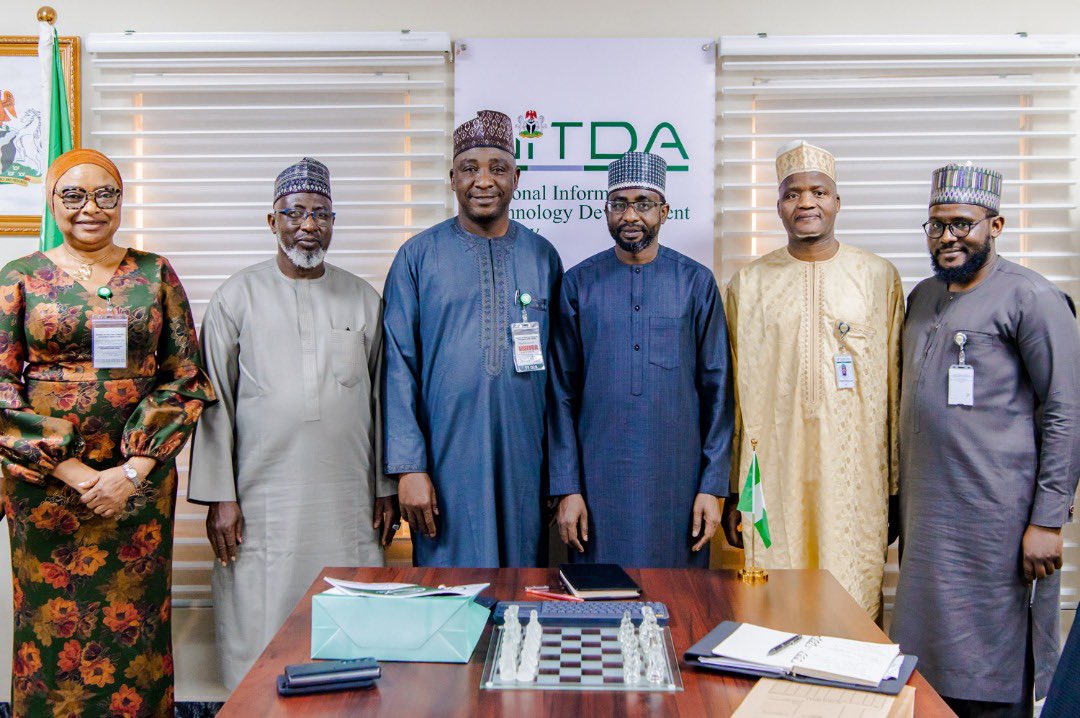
664,341
347,355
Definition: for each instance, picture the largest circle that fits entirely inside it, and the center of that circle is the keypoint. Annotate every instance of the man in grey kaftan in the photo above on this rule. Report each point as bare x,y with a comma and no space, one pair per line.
986,481
289,461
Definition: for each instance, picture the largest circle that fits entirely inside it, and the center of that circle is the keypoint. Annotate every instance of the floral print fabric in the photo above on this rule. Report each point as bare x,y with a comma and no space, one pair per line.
91,595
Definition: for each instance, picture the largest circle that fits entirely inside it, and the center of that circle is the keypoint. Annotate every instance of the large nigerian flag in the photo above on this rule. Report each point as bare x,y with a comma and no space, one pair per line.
58,119
752,501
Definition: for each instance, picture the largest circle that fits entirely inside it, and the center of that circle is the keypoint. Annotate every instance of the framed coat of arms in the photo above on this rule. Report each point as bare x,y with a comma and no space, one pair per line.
23,134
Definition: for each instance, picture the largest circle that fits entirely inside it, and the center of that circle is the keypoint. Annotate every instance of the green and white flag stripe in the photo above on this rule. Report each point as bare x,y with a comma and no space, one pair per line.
58,136
752,501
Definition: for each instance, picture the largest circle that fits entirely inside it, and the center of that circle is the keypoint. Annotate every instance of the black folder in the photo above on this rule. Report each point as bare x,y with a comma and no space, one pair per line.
284,689
705,646
598,581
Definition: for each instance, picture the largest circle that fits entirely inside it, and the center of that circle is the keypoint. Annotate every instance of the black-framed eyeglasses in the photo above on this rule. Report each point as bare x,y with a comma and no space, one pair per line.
75,198
959,228
296,217
643,206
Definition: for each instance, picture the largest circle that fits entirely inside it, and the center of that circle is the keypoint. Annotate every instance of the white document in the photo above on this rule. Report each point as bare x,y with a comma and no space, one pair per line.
750,644
894,670
840,659
400,590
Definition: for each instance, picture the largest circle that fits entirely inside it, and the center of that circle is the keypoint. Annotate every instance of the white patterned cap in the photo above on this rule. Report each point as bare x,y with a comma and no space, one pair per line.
801,156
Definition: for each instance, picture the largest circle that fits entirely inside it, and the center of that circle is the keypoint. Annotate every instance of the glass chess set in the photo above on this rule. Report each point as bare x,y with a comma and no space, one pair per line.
582,658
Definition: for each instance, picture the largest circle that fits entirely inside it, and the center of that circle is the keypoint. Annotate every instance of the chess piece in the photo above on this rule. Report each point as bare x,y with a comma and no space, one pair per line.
512,624
626,629
632,667
510,645
645,632
507,659
655,668
529,664
534,627
648,615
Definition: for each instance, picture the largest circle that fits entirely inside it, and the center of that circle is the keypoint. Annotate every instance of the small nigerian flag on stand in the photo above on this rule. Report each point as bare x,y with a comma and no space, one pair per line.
57,120
752,500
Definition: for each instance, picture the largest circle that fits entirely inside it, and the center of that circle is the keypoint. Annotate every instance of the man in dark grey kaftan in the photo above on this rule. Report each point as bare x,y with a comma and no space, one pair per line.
987,476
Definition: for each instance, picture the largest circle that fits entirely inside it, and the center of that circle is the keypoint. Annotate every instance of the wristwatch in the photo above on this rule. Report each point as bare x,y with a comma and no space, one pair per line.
132,475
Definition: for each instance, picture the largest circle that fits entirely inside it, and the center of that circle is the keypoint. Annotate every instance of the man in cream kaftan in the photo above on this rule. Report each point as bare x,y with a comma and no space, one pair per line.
295,440
827,455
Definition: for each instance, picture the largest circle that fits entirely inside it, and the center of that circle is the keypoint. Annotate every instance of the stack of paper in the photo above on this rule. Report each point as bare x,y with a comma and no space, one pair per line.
834,659
399,590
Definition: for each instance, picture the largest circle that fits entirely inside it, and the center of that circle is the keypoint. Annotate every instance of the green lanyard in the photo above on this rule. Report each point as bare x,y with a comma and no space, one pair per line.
524,299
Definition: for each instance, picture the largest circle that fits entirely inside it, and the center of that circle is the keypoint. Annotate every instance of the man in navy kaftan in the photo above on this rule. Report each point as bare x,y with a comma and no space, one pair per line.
642,419
464,428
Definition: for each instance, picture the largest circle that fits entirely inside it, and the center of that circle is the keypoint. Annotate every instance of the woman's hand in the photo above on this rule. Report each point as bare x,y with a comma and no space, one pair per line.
76,474
109,494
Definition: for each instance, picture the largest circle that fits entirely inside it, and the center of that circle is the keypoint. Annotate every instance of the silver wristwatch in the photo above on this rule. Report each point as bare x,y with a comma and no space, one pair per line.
132,475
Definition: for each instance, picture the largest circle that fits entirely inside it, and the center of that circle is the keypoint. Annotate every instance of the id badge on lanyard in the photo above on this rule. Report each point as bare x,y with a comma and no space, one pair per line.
109,335
525,335
961,378
843,364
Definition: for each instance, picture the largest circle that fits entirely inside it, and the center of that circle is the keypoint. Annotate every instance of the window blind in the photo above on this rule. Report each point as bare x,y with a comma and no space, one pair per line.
201,124
892,109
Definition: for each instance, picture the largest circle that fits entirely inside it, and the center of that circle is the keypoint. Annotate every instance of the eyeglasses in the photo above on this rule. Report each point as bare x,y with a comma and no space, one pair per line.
75,198
296,217
960,228
619,206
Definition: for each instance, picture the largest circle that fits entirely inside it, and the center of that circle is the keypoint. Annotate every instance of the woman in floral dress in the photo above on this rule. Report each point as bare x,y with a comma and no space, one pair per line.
87,457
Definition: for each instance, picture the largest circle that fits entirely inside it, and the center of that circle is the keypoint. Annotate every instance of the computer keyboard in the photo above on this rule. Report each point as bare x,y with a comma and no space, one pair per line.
583,613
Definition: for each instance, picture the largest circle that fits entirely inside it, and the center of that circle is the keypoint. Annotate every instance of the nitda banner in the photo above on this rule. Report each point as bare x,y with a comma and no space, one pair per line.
577,104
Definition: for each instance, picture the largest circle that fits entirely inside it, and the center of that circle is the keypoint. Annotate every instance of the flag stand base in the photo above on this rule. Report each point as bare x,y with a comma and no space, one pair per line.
753,574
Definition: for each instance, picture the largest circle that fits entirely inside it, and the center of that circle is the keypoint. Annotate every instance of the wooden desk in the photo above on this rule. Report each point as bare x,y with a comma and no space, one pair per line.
809,602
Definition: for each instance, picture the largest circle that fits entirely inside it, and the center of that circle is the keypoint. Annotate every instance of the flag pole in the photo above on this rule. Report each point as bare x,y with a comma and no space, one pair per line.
752,573
753,545
56,116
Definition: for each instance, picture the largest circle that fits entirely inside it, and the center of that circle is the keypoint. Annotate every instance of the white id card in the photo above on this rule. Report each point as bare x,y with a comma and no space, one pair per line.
108,340
528,352
845,371
961,385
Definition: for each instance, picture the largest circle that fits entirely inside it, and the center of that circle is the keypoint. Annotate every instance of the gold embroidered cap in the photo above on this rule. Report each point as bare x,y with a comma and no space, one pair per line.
801,156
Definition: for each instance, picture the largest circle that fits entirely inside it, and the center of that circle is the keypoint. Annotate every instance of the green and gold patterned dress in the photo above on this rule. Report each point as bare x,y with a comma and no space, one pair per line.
91,594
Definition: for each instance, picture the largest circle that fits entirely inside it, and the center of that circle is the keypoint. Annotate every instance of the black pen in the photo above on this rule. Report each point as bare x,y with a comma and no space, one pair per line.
785,644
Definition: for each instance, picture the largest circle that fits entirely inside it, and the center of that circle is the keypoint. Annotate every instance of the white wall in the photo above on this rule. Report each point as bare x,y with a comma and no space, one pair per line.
557,18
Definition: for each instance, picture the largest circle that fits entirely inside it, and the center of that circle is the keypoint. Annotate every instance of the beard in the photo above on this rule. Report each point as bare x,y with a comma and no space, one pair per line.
303,259
648,236
966,271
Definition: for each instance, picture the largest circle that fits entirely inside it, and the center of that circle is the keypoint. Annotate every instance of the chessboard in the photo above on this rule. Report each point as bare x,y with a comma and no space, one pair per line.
582,659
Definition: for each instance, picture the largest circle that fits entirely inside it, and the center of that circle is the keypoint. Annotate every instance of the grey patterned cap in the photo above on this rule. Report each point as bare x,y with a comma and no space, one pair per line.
307,175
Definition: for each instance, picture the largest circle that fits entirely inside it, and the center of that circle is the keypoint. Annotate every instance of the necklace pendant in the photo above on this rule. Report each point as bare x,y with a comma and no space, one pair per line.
84,272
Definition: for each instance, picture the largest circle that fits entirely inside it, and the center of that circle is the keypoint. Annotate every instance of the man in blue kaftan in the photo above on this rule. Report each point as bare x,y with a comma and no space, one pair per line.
642,419
463,410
